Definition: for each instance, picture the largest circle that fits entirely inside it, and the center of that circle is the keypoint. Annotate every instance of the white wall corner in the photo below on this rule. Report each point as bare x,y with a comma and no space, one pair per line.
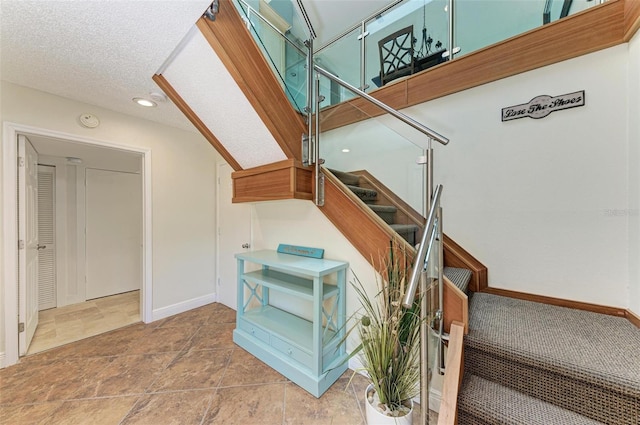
181,307
2,360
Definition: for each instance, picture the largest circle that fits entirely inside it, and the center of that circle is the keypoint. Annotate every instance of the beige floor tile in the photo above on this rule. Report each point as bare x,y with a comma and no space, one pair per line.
178,408
249,405
213,337
245,369
59,326
338,405
180,370
131,374
193,370
28,414
104,411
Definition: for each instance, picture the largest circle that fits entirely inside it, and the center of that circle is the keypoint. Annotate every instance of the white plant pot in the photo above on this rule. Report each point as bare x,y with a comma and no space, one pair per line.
376,417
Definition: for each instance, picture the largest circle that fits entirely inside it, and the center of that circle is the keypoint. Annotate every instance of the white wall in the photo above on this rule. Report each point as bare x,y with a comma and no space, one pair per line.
183,194
634,174
545,204
541,202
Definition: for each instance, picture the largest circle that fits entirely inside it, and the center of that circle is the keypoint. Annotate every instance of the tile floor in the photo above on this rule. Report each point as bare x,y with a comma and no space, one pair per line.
59,326
181,370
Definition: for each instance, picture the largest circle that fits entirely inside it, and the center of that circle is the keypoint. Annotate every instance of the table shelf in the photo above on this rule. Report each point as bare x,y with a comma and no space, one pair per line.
311,353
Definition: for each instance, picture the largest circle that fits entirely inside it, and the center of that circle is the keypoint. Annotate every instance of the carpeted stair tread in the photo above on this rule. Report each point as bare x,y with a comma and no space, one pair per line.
459,277
385,212
582,361
364,194
574,342
404,228
383,208
346,178
484,402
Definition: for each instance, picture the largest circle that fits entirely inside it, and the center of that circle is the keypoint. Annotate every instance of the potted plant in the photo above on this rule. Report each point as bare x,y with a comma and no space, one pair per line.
389,346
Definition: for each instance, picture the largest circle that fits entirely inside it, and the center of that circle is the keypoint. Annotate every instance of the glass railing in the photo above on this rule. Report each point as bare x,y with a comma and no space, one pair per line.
360,55
386,155
285,53
468,25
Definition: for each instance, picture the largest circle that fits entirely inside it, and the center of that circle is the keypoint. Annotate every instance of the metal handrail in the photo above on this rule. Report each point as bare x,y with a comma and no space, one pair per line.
399,115
420,258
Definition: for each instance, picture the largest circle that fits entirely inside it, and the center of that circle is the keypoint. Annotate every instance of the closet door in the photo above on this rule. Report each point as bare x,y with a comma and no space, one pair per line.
46,238
113,232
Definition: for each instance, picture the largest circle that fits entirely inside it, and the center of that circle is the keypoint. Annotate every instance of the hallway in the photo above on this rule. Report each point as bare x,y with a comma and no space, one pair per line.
59,326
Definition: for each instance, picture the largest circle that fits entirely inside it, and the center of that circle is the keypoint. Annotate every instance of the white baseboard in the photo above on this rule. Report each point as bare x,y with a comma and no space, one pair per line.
2,360
435,397
181,307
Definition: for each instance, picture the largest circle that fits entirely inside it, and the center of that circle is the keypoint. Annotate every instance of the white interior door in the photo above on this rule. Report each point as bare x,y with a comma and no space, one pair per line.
28,243
234,236
47,288
113,232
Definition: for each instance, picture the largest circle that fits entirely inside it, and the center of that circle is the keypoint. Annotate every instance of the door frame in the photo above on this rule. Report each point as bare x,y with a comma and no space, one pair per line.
10,233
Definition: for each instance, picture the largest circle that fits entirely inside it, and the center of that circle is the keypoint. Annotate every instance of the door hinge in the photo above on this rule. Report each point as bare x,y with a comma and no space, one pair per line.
20,244
20,161
20,327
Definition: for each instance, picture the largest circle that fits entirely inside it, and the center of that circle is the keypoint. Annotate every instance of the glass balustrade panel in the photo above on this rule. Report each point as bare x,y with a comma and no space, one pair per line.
285,53
384,154
426,20
341,58
481,23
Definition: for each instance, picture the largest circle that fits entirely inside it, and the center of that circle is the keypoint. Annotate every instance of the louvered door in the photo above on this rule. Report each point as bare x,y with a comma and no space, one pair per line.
46,234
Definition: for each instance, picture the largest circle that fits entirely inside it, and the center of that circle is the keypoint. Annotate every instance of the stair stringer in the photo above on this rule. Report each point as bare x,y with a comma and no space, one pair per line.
454,254
370,235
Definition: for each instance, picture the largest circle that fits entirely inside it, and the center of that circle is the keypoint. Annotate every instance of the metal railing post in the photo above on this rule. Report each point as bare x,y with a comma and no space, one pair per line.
424,349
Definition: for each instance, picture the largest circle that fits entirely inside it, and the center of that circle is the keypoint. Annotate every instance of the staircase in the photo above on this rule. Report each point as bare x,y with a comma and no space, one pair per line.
388,213
531,363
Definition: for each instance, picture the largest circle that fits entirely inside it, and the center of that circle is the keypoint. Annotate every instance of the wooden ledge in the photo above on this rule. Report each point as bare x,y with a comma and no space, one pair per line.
286,179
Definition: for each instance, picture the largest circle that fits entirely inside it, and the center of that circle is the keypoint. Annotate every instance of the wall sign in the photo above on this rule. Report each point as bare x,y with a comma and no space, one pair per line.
541,106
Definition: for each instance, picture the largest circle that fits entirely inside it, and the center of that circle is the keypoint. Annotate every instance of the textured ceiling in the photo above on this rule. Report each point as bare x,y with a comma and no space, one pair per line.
99,52
104,52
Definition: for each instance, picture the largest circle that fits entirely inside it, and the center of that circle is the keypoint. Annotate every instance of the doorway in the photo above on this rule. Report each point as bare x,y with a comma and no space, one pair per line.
10,217
234,235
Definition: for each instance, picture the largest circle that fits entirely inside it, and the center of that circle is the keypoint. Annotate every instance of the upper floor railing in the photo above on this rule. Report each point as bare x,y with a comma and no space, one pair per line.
359,55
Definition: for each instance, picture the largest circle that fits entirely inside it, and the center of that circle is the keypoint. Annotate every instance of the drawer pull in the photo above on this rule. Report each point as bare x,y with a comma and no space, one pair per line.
290,351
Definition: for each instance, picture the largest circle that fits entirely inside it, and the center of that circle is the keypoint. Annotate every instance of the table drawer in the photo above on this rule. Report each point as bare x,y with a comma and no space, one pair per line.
255,331
291,351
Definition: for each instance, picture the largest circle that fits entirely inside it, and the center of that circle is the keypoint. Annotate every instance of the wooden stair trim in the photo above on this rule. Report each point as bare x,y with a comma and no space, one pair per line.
411,215
560,302
448,414
172,94
456,256
631,18
236,48
367,232
632,317
286,179
456,306
594,29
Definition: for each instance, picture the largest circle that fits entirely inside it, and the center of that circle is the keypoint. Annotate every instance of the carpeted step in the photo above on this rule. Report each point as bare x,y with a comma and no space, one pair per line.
367,195
488,403
346,178
459,277
581,361
385,212
407,231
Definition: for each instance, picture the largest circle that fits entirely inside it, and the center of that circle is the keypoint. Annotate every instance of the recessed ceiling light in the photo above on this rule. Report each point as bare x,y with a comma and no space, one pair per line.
144,102
345,150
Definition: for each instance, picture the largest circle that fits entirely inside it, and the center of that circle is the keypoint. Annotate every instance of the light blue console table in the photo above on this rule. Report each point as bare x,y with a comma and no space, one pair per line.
312,352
